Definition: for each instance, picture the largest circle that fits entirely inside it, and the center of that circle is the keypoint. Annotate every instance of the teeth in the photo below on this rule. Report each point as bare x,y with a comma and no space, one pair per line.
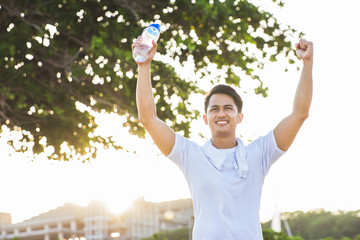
221,122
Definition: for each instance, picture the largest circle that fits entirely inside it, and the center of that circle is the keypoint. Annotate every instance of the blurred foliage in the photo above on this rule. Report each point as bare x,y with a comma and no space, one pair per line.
62,60
178,234
269,234
324,225
183,234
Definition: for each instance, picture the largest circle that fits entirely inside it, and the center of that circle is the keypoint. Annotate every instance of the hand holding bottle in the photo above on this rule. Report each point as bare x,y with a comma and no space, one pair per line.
150,53
144,48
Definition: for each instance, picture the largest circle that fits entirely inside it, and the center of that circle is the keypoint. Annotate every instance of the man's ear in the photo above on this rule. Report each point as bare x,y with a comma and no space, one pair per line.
205,119
240,117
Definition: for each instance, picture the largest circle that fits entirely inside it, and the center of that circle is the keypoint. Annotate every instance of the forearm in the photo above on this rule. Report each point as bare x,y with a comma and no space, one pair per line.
304,91
144,95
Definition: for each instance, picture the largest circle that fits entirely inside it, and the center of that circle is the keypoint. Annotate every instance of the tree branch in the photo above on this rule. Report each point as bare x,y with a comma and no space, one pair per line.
17,13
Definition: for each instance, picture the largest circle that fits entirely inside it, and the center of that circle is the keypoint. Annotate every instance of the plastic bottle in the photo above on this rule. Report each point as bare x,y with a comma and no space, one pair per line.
150,33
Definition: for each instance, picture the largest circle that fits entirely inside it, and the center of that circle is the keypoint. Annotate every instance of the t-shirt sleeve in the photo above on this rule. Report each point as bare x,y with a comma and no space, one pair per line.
180,151
269,149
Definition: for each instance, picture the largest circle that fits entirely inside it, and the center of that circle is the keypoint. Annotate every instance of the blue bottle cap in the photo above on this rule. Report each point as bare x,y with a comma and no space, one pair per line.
155,25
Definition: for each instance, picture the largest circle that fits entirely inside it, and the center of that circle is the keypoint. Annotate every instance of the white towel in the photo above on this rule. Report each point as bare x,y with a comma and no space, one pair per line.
217,157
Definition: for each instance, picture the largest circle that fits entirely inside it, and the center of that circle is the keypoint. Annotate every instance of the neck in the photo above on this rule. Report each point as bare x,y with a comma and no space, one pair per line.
223,143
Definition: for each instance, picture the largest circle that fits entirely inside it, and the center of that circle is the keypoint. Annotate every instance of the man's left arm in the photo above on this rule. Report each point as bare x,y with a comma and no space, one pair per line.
286,131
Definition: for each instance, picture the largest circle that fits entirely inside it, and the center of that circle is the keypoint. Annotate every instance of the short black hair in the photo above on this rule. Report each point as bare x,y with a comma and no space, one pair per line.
225,89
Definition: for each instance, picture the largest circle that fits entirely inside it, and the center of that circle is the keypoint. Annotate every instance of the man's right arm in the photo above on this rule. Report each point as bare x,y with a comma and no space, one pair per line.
160,132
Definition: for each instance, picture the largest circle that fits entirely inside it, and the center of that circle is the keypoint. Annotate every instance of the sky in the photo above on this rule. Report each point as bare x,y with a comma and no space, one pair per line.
320,170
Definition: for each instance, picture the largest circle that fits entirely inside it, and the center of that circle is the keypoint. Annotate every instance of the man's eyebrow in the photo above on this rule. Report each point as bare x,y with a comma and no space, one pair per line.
226,105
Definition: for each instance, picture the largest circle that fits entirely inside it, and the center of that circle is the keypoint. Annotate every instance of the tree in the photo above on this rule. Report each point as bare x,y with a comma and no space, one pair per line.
178,234
325,225
269,234
61,61
182,234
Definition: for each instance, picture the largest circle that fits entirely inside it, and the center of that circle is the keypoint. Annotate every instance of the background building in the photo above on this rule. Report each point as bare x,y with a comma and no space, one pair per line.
61,223
176,214
96,222
5,218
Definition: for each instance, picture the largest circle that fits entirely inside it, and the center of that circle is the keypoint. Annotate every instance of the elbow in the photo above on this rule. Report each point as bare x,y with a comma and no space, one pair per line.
305,115
145,121
302,116
301,112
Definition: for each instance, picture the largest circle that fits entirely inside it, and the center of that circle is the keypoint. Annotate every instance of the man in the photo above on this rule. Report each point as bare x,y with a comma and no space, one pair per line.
224,176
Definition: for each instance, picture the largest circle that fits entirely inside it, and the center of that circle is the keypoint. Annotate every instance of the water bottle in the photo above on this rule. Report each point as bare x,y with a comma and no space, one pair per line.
150,33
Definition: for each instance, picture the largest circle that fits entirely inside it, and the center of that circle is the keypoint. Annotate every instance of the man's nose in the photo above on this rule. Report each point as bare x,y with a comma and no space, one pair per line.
221,112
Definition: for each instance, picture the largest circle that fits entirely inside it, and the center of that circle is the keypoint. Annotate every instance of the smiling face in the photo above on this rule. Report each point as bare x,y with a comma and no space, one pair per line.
222,116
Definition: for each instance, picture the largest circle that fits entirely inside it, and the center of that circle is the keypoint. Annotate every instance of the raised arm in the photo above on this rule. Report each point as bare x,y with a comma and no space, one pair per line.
286,131
162,134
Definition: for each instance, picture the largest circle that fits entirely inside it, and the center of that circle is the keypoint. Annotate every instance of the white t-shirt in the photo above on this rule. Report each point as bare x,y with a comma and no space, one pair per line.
226,203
